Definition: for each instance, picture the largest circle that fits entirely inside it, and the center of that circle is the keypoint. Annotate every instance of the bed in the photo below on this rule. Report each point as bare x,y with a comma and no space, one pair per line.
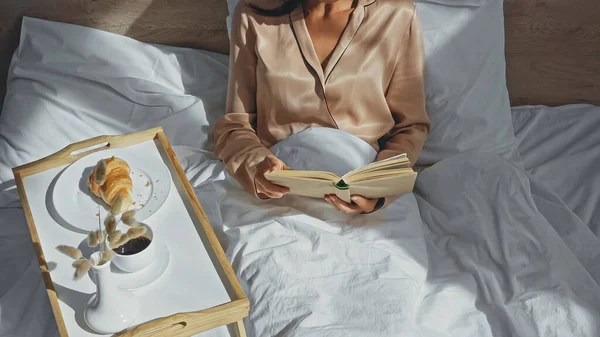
499,238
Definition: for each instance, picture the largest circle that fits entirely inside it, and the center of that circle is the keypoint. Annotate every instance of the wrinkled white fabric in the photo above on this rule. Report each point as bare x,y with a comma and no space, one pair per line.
559,146
505,257
67,83
497,233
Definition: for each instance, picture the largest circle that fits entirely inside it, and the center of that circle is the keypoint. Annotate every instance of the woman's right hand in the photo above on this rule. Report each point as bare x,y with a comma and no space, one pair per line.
265,187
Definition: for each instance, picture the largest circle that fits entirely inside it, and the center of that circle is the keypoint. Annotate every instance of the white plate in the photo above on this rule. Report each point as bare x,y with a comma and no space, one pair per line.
78,207
131,281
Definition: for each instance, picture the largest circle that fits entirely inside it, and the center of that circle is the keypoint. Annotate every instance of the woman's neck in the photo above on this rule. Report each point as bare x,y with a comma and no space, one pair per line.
326,7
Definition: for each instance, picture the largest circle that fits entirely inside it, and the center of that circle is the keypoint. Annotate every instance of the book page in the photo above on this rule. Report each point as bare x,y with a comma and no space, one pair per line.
401,156
377,174
390,166
385,187
321,175
316,188
396,162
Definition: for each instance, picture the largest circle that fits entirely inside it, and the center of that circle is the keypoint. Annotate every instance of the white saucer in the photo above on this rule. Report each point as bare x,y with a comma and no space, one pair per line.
78,207
131,281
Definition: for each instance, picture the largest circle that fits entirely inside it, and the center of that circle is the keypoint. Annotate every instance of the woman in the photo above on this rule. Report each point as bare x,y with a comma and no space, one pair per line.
356,65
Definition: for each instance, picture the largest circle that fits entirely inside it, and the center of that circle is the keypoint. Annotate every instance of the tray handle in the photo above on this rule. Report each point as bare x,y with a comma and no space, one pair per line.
82,148
182,323
72,152
166,326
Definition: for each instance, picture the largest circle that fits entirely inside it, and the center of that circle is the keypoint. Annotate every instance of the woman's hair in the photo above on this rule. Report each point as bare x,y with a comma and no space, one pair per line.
285,8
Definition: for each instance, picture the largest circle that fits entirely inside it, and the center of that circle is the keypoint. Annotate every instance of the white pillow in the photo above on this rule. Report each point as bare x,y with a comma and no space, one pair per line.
67,83
467,99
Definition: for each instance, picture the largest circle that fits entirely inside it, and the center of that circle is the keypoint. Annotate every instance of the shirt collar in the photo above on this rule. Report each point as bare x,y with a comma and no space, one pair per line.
362,3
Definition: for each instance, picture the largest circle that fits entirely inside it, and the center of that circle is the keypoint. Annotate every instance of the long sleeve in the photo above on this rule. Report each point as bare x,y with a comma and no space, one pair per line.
406,98
236,141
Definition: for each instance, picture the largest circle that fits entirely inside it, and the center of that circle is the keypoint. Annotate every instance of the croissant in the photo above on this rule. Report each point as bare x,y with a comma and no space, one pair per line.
111,178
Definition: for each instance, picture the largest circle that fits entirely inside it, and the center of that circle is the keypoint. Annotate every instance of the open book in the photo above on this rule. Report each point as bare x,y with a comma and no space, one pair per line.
385,178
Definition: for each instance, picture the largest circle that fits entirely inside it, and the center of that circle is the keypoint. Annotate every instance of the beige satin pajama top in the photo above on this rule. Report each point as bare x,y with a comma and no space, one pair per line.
372,85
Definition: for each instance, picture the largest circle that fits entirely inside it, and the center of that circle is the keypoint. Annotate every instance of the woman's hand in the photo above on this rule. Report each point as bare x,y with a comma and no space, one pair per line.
265,187
359,204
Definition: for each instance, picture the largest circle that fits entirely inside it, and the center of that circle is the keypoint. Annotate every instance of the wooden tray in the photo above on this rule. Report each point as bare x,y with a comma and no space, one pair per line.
31,177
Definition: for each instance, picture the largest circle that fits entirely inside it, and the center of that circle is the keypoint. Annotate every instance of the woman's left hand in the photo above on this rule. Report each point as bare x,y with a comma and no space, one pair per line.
359,204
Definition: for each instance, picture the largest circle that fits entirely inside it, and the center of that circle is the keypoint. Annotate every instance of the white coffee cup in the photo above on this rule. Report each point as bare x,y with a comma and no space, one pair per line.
140,260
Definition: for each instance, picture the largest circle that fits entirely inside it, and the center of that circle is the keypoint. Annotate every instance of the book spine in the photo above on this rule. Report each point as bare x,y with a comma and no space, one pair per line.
342,190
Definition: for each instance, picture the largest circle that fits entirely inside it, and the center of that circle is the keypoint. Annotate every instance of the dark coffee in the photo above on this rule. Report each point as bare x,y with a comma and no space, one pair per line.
133,246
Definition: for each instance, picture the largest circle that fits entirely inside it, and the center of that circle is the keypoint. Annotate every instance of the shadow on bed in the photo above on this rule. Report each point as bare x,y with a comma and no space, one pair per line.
9,197
7,185
482,216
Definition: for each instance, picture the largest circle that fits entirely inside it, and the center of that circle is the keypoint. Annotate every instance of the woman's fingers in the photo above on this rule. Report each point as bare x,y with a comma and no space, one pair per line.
329,201
264,186
343,206
360,204
273,163
275,188
269,194
271,190
366,205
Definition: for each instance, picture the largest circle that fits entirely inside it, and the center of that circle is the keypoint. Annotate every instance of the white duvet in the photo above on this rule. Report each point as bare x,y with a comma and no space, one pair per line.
496,253
559,146
479,249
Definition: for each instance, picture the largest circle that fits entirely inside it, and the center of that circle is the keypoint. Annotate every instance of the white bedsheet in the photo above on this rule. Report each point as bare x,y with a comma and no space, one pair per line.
496,254
560,146
24,306
505,257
